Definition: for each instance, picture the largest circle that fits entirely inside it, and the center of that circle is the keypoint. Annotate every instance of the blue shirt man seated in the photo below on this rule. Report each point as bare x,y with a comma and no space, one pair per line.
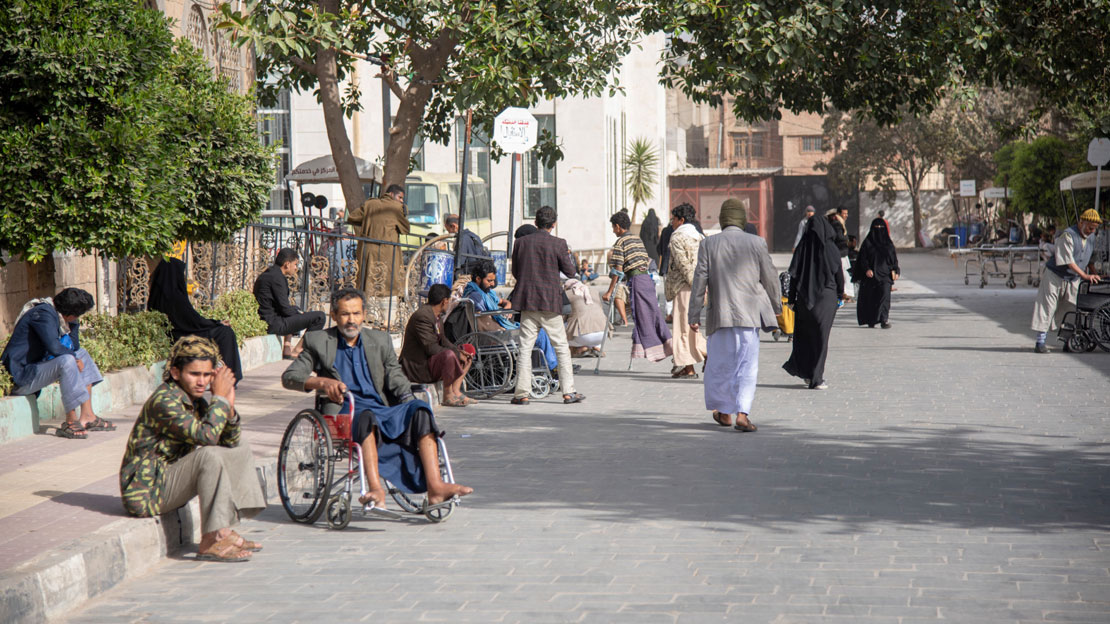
45,346
397,432
481,291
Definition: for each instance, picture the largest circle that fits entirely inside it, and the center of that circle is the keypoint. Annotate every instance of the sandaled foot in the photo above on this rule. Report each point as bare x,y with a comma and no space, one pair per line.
574,397
224,551
73,431
520,401
99,424
245,544
743,424
455,401
447,491
723,420
374,498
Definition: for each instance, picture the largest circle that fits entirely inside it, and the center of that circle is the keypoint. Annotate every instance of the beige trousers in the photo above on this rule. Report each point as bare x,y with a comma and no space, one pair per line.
688,345
530,324
1055,298
224,478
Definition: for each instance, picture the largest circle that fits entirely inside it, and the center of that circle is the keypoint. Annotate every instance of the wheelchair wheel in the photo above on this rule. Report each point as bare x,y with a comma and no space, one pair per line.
304,467
338,514
413,503
1100,326
542,383
494,365
1080,342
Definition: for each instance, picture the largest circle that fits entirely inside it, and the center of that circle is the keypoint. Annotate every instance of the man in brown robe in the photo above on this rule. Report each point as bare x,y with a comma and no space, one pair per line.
381,267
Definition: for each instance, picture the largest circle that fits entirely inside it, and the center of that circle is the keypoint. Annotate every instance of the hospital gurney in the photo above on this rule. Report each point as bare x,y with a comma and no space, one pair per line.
1000,262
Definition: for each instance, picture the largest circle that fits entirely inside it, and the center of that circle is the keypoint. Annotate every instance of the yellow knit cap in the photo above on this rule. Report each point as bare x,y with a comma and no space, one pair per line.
1090,215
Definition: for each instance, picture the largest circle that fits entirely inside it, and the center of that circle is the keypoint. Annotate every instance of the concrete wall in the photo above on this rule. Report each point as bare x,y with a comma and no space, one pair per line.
936,214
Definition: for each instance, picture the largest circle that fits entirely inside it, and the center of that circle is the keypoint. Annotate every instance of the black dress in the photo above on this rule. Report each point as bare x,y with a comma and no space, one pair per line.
169,296
649,234
877,254
816,283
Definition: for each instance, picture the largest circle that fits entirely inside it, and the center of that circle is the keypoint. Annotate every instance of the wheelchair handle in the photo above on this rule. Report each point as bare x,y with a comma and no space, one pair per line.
351,401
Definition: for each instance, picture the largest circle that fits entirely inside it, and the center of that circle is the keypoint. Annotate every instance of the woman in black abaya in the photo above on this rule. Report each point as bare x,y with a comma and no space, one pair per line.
169,296
876,269
816,284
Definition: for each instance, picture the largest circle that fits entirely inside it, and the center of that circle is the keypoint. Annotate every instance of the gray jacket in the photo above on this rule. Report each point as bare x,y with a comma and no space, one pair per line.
319,357
742,283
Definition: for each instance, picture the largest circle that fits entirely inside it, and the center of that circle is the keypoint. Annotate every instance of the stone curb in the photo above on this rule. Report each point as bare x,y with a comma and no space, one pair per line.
61,581
21,416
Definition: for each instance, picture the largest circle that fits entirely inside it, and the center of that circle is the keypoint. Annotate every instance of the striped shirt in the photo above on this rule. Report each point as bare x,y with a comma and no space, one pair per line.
629,254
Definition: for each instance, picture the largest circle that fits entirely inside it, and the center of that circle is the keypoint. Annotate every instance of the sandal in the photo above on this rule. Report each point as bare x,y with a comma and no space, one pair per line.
459,401
723,420
245,544
73,431
225,551
99,424
746,428
576,397
520,401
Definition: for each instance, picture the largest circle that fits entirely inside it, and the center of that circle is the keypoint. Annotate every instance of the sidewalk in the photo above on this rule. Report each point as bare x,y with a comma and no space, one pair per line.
60,496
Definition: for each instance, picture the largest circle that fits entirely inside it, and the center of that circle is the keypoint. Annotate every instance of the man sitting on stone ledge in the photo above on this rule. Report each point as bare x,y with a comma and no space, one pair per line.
284,319
184,446
45,347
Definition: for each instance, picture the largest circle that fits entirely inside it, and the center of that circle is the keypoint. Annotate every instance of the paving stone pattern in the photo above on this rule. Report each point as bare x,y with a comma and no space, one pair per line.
949,473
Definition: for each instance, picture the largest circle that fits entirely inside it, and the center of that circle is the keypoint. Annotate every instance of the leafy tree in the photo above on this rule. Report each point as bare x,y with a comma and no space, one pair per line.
437,57
112,138
641,165
884,58
1033,171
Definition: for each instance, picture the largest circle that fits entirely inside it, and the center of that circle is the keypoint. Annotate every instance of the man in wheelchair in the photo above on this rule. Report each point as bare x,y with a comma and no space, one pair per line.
397,432
480,290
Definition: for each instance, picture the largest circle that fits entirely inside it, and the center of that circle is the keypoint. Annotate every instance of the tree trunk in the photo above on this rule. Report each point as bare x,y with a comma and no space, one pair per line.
327,73
915,198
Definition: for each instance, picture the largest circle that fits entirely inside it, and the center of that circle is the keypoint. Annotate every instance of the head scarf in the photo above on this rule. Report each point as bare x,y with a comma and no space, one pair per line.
578,288
815,265
525,230
169,296
193,348
733,212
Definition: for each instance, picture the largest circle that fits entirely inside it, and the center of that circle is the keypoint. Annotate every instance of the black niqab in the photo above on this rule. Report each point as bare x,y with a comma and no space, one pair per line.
169,296
649,234
877,254
815,267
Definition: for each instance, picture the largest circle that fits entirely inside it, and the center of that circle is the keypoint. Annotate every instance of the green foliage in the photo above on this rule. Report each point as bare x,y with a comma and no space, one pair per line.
6,385
116,342
112,138
884,58
1034,170
641,165
240,308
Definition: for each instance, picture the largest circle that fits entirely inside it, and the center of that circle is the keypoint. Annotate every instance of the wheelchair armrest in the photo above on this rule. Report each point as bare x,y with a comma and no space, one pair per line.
418,388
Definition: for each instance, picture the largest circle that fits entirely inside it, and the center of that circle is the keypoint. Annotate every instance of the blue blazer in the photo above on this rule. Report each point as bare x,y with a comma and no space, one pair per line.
35,337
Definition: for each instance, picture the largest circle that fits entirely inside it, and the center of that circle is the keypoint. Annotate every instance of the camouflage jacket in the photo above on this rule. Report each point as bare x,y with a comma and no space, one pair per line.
169,428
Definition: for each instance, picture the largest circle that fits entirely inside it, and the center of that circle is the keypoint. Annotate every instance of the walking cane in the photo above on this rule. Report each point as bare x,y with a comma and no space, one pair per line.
608,326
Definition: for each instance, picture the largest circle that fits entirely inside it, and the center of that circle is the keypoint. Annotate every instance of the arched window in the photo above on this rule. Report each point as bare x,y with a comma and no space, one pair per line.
196,31
228,61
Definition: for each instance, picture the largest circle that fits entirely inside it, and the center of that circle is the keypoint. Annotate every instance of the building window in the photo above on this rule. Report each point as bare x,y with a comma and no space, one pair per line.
196,31
479,150
274,128
228,62
812,143
742,149
539,179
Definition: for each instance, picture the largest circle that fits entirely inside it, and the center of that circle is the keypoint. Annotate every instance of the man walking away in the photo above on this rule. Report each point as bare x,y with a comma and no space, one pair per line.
537,260
271,290
736,271
381,267
1059,287
651,338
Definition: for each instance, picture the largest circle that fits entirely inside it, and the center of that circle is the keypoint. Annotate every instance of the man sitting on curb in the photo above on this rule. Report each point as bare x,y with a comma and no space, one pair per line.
271,289
397,432
427,356
45,347
184,446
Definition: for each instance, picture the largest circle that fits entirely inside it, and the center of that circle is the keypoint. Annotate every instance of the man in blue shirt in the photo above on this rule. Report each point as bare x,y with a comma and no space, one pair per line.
45,347
397,432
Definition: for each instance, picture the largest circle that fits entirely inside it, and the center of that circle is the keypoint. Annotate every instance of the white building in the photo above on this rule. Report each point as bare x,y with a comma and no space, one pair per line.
586,187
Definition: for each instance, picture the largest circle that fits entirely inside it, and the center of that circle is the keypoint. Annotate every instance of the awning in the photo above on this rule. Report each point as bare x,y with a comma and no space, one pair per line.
322,171
1085,180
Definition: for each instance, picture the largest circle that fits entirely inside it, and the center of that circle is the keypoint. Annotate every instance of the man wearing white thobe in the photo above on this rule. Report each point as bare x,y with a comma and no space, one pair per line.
1063,271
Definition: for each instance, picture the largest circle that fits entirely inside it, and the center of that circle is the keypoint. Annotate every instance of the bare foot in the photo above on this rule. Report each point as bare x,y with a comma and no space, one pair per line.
445,491
373,496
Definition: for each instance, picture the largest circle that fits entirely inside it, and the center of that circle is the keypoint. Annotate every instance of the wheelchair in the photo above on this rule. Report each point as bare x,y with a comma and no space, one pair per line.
1088,326
314,445
494,369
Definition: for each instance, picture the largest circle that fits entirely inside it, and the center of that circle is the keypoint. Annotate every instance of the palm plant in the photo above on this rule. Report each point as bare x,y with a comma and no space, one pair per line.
640,172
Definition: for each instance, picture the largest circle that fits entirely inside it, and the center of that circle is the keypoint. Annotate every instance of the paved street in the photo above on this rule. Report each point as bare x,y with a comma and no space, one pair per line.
947,473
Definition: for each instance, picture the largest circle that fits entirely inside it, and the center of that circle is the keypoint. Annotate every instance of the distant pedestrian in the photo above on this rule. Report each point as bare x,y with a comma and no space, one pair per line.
470,246
877,269
382,219
651,338
802,226
649,234
739,286
839,221
816,285
689,345
537,260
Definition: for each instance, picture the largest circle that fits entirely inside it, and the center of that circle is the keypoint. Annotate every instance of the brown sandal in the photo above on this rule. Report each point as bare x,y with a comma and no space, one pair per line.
723,420
459,401
72,430
225,551
245,544
745,427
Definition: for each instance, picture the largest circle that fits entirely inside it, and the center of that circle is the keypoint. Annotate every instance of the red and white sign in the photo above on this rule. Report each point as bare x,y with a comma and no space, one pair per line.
515,130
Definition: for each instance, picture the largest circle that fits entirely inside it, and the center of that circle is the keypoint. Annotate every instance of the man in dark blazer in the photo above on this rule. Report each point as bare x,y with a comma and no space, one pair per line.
271,289
537,261
390,424
427,356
